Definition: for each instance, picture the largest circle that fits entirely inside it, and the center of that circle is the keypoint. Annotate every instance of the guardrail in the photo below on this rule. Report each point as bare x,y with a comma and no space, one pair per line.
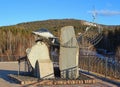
4,58
103,66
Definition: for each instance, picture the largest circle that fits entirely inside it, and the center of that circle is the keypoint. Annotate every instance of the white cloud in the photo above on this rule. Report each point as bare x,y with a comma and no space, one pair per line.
105,12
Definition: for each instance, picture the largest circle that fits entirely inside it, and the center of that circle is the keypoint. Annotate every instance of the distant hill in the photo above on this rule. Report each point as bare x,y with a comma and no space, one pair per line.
56,24
16,38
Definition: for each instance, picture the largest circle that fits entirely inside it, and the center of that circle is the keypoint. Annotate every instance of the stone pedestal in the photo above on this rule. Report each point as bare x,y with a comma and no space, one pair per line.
44,69
69,53
39,59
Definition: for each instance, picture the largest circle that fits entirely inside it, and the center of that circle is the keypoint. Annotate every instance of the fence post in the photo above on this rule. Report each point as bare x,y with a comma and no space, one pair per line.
115,71
88,59
25,65
106,67
19,66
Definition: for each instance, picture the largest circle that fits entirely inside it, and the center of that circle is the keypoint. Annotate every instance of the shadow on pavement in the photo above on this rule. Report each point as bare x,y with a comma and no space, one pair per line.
4,75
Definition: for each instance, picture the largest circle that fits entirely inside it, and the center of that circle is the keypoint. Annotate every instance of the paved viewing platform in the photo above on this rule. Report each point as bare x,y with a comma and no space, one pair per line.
7,68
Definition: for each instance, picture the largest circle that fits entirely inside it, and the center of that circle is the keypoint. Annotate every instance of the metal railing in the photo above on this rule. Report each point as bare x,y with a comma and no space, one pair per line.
103,66
5,58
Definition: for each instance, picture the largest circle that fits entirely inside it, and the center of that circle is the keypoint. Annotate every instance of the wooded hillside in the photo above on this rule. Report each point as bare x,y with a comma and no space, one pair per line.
16,38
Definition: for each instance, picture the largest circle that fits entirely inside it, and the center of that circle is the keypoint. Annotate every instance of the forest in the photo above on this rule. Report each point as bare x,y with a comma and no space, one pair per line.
15,39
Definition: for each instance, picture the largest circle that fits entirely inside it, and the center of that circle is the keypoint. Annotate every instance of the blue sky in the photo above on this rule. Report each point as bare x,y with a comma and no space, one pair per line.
18,11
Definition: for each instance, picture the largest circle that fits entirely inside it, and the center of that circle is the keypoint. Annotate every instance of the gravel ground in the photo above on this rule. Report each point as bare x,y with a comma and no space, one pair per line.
12,67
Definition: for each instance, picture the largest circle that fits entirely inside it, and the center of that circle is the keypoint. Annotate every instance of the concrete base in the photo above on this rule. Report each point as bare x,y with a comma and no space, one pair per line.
70,73
44,69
